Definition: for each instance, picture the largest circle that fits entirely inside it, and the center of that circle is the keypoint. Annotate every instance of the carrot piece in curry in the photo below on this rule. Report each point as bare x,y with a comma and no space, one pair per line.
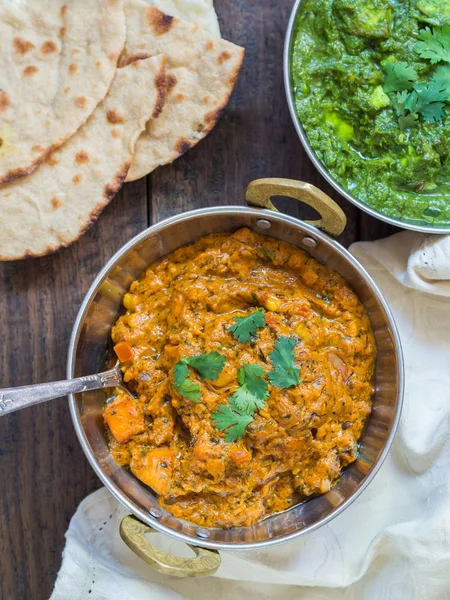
154,468
124,418
124,352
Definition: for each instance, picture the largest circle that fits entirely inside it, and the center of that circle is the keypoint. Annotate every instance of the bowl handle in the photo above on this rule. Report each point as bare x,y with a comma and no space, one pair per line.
333,219
206,562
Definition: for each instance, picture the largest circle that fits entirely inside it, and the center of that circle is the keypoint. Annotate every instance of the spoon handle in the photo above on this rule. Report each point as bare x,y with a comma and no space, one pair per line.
13,399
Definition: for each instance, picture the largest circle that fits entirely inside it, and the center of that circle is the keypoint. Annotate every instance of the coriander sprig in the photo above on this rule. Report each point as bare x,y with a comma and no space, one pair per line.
442,74
434,45
252,393
245,327
185,386
428,100
405,119
399,76
414,99
244,402
253,390
284,374
209,366
233,421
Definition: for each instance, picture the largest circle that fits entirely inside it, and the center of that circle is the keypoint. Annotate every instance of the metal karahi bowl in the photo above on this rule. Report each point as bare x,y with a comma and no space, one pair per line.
90,345
323,170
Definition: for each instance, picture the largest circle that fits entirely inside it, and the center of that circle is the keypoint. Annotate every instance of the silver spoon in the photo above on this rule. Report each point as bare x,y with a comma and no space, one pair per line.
13,399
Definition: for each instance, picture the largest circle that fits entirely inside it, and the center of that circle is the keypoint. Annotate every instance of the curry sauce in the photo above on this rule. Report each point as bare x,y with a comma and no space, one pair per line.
295,445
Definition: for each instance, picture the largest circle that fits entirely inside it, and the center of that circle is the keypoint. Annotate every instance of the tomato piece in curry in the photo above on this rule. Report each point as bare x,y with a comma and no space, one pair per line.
300,440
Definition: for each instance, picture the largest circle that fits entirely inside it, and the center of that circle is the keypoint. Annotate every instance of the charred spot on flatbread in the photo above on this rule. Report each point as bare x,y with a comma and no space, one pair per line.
183,145
22,46
80,101
159,21
223,56
82,157
114,117
112,188
30,70
4,101
171,82
127,60
161,90
56,203
51,161
48,47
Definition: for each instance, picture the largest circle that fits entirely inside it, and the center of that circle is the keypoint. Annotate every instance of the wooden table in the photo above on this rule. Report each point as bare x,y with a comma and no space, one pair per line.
43,471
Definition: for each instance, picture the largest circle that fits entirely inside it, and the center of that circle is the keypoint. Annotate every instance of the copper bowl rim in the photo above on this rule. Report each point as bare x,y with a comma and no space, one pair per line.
303,228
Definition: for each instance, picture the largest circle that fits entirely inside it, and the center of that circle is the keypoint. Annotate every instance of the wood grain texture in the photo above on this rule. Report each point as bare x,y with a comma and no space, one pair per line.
43,471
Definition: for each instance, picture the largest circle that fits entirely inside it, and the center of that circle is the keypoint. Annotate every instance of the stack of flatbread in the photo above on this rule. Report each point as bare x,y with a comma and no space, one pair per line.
93,94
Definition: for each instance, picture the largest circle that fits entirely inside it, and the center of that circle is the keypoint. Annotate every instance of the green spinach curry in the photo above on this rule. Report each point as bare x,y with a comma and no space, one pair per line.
372,88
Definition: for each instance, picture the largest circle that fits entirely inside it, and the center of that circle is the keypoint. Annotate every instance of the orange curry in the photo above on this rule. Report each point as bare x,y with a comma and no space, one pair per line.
299,438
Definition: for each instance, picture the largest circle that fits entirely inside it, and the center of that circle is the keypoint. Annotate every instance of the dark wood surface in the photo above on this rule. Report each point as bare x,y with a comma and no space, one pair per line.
43,471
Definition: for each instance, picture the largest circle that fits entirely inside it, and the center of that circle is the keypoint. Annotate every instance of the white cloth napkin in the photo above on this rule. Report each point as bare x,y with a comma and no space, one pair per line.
393,543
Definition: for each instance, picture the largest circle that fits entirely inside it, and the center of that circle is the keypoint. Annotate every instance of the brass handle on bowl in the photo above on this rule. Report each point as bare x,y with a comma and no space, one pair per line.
260,191
206,562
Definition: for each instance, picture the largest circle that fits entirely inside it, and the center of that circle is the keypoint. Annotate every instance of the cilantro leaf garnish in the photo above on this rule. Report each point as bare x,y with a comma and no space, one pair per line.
425,99
405,120
284,374
443,75
231,419
434,45
252,393
245,327
253,377
208,365
399,76
185,386
399,101
428,100
245,401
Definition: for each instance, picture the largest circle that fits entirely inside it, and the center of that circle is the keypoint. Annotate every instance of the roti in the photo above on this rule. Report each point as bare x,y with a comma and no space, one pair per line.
195,11
55,204
57,61
202,72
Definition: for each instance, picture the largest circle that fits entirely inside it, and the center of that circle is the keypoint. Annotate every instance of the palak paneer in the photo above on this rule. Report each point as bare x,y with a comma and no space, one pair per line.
371,87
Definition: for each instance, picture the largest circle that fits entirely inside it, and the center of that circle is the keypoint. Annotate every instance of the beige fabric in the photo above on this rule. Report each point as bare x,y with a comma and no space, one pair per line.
57,61
202,72
56,203
195,11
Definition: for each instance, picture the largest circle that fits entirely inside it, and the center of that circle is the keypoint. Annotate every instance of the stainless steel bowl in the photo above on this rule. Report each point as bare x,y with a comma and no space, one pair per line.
90,342
289,40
